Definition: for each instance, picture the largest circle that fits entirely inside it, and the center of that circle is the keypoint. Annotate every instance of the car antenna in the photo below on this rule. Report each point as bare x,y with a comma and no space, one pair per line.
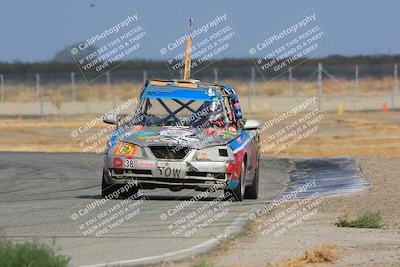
186,72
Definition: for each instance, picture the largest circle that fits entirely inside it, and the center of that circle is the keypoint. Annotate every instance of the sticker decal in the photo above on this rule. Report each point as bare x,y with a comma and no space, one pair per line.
125,149
145,164
142,134
129,163
118,163
178,135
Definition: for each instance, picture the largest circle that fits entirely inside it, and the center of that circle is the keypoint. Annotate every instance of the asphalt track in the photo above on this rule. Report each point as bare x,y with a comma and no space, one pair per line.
56,197
40,193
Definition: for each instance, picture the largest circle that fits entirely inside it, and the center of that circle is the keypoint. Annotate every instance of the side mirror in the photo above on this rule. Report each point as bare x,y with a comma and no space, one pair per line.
251,125
110,118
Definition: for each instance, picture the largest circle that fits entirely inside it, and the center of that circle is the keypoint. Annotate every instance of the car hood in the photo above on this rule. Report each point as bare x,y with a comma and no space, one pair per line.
177,136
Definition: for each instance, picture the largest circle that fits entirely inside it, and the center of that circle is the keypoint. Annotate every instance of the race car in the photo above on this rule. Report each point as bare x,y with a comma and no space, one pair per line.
184,134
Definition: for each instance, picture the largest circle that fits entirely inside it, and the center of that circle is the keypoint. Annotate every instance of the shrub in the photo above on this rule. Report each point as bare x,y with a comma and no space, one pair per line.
30,254
203,263
368,220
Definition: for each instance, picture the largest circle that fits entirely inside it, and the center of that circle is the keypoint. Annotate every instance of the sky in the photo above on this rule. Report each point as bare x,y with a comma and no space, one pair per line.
33,31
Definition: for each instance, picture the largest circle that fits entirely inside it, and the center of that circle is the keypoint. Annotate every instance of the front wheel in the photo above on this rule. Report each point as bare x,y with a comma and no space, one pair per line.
109,191
238,192
252,190
115,191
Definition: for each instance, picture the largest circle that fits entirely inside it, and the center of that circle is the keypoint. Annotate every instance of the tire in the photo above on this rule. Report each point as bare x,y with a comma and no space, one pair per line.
110,189
107,189
131,191
239,192
252,190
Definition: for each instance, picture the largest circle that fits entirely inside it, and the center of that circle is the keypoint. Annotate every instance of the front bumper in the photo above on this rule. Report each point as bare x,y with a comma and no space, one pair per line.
172,174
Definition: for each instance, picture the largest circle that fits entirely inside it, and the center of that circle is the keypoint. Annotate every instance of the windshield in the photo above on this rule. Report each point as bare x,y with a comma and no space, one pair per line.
174,112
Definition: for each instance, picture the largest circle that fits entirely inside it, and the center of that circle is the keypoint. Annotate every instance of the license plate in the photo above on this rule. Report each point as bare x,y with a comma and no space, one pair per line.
170,170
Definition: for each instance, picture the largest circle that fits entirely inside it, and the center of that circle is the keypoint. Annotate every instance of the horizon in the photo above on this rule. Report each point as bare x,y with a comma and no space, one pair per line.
379,56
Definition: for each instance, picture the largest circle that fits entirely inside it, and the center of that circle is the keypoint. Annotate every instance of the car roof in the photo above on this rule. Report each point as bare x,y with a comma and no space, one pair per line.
182,90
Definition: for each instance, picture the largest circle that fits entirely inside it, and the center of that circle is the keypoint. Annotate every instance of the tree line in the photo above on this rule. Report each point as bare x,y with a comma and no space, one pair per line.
59,67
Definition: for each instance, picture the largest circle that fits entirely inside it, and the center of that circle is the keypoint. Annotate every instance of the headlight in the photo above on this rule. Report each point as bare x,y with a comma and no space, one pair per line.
128,150
215,154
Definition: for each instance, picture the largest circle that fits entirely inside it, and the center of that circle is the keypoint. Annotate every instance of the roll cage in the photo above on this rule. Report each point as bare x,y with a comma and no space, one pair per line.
227,98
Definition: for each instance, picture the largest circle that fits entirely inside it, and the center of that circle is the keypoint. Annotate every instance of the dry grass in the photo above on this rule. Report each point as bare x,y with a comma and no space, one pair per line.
371,125
350,134
372,134
322,254
251,228
203,263
21,125
367,86
50,135
57,94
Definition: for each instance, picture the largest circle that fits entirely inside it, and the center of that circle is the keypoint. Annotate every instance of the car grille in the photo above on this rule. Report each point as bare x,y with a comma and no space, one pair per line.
206,174
133,173
169,152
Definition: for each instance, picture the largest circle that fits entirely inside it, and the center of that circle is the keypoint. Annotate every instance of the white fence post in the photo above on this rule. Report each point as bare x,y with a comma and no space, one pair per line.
144,76
215,75
356,82
108,80
319,85
73,92
394,88
2,87
290,81
39,94
251,90
37,77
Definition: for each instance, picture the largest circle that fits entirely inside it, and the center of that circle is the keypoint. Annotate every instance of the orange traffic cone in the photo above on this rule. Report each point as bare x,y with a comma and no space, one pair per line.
385,108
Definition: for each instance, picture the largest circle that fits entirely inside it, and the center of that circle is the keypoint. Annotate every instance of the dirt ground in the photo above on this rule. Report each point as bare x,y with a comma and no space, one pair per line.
357,134
354,247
